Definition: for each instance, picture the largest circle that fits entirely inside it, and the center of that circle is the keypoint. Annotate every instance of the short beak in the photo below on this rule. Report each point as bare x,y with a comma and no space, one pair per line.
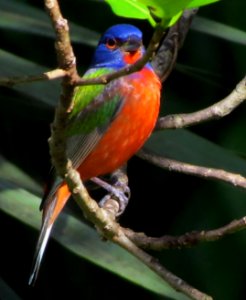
132,45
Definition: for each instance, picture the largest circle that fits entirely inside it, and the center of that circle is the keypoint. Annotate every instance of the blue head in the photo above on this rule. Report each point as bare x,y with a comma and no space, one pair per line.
119,45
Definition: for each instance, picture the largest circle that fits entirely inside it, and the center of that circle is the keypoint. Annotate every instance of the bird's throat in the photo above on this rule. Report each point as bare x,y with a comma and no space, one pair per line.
132,57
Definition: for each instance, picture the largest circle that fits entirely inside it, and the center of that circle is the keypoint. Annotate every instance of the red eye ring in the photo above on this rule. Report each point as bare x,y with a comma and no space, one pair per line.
111,43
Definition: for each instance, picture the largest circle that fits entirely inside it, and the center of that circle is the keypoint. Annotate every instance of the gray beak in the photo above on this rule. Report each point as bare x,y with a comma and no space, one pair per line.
132,45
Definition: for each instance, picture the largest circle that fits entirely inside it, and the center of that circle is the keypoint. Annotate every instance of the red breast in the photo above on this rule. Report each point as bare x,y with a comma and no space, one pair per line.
130,129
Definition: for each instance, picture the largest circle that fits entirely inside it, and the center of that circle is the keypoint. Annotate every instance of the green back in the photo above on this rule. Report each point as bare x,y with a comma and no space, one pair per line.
93,106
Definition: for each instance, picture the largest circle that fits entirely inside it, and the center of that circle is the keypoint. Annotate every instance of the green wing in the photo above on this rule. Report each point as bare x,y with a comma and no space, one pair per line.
95,106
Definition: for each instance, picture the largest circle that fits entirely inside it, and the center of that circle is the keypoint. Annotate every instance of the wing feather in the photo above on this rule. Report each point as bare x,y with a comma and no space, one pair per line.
91,123
95,107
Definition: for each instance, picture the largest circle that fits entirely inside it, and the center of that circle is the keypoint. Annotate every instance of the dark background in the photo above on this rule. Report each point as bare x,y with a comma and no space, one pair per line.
162,202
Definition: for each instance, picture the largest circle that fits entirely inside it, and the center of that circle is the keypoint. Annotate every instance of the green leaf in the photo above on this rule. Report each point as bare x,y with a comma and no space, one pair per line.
131,9
198,3
78,237
168,11
166,8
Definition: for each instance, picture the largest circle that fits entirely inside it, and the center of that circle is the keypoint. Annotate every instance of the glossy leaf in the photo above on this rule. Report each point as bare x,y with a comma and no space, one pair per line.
168,11
198,3
131,9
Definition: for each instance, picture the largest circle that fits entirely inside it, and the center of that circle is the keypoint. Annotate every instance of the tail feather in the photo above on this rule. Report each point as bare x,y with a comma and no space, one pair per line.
39,252
52,206
47,224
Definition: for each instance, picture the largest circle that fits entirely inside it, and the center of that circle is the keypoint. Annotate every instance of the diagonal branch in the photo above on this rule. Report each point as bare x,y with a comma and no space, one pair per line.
204,172
188,239
216,111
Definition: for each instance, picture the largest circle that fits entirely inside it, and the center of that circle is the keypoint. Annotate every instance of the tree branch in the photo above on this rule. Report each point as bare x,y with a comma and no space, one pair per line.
216,111
67,62
50,75
166,56
188,239
181,167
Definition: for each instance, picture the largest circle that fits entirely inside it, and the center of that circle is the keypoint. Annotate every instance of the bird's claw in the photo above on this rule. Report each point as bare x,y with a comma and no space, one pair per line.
119,194
119,191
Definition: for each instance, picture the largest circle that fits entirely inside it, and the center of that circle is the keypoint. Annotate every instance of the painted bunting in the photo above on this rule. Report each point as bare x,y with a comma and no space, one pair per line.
108,123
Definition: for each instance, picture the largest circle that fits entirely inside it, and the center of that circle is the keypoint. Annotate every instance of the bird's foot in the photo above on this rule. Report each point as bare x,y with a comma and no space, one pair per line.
118,192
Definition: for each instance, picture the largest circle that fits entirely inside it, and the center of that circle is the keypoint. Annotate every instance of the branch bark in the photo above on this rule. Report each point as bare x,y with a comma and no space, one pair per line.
188,239
67,62
204,172
50,75
166,56
213,112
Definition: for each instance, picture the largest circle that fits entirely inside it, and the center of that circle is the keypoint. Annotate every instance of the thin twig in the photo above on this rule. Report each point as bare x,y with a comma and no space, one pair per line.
50,75
215,111
188,239
204,172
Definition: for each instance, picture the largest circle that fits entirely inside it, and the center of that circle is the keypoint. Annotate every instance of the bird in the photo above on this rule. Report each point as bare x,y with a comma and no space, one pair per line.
108,123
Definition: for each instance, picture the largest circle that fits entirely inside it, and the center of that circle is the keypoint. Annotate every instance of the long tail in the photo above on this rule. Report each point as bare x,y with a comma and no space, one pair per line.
39,252
52,208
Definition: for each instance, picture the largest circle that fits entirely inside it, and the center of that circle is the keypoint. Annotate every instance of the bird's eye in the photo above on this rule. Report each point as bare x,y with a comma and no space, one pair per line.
111,43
